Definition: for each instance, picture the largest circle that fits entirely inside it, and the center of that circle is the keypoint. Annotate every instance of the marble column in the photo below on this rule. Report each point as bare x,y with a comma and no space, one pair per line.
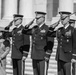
75,7
55,7
41,5
0,8
9,8
26,9
49,10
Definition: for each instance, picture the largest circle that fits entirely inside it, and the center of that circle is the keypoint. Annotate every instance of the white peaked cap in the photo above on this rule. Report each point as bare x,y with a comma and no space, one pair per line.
66,6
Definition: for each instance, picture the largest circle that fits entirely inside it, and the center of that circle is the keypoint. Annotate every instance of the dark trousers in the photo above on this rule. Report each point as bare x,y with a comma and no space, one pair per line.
17,67
64,68
38,67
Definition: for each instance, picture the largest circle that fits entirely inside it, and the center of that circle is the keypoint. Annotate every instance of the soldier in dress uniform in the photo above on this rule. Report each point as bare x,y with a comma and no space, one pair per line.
65,44
20,45
66,50
64,38
41,47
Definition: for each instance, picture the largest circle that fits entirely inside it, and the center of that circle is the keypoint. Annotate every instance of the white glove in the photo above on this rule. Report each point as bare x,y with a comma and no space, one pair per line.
23,58
73,60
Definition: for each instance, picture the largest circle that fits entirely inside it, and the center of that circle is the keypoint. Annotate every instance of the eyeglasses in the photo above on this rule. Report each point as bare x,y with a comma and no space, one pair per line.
39,17
64,18
17,19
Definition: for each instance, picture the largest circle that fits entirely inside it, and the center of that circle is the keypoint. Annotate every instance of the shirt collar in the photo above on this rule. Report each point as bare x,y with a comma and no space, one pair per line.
41,25
19,25
66,26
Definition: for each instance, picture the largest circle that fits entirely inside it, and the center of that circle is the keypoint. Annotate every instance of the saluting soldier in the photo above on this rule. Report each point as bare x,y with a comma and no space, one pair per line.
65,39
41,46
64,49
20,45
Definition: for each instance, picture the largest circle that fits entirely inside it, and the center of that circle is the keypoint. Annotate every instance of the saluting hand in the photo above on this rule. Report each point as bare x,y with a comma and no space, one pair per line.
46,59
73,60
8,27
11,23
